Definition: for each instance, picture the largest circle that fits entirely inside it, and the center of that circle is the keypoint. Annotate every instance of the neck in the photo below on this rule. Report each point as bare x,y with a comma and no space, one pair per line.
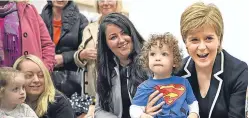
57,13
2,3
204,72
32,99
7,107
124,62
164,76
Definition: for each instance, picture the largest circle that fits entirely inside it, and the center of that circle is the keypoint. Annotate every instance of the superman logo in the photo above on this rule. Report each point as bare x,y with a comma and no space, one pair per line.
171,92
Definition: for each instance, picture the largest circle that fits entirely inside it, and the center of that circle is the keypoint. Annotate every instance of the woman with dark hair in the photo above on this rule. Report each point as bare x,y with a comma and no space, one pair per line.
119,43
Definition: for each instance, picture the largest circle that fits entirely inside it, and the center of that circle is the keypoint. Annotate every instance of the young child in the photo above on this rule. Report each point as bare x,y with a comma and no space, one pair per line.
12,95
162,56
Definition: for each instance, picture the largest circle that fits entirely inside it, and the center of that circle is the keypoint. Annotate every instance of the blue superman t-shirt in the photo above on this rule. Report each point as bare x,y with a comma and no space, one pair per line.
177,94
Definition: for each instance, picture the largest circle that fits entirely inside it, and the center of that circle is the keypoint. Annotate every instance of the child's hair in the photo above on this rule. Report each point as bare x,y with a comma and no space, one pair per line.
167,39
7,74
47,97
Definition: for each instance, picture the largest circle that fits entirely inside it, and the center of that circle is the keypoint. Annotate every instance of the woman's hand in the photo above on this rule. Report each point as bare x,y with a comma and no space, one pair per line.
88,53
192,115
59,60
90,113
150,109
144,115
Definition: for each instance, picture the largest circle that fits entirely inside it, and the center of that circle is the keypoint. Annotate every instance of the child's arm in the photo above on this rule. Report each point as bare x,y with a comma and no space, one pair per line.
192,102
193,110
136,111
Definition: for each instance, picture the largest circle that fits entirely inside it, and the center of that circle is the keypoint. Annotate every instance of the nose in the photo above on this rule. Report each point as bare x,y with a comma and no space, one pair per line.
36,79
121,39
22,91
158,57
202,45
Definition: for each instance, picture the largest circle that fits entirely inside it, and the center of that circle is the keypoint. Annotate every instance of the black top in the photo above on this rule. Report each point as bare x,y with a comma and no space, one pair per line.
227,90
61,108
124,90
203,107
73,23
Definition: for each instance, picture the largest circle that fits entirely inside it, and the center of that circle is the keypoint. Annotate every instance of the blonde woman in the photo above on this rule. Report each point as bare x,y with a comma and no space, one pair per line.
42,97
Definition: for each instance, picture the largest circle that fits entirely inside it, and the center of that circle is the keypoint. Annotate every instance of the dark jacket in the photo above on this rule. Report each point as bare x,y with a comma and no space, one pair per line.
73,23
228,85
61,108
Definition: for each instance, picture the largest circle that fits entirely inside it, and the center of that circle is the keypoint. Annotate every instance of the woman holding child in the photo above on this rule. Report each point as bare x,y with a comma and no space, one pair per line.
218,79
42,97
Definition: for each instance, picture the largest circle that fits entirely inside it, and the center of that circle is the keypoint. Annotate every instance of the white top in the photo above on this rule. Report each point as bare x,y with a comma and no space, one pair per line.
21,111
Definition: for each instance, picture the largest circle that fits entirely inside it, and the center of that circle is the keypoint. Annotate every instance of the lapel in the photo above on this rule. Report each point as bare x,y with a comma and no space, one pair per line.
216,81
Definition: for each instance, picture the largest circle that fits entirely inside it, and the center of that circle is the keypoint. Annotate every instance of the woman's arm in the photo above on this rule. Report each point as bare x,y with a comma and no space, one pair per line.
238,92
47,45
100,113
82,54
63,108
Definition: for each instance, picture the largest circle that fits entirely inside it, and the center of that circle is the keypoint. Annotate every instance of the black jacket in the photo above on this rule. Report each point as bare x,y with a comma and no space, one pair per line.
73,23
228,85
61,108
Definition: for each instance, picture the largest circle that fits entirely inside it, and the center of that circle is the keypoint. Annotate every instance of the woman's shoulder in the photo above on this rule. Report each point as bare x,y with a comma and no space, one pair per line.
59,100
232,63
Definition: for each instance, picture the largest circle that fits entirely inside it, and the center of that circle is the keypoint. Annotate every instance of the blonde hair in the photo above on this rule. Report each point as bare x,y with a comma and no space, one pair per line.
199,15
7,74
118,2
163,39
49,92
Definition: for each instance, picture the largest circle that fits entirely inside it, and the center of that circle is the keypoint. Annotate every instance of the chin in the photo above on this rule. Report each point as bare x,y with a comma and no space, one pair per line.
203,64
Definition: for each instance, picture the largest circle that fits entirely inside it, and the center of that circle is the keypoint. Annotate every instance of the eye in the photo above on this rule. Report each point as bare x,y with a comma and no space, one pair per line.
165,54
152,54
29,75
209,38
113,37
15,89
40,75
194,40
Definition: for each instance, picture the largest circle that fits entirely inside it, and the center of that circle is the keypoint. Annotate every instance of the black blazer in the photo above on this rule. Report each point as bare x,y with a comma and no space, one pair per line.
73,23
228,85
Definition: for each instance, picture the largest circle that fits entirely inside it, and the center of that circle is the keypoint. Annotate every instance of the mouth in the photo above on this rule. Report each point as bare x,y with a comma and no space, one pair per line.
21,98
35,87
202,56
158,65
123,46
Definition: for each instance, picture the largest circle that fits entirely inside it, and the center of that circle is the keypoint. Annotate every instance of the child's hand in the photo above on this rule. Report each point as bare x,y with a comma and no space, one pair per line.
144,115
193,115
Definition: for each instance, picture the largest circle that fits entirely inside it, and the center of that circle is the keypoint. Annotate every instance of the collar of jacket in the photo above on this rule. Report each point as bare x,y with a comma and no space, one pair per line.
218,69
20,8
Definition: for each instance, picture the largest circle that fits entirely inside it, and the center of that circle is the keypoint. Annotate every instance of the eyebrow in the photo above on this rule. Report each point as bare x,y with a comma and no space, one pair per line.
115,33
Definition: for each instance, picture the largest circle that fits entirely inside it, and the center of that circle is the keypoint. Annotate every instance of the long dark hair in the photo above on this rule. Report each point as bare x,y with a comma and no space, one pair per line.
105,58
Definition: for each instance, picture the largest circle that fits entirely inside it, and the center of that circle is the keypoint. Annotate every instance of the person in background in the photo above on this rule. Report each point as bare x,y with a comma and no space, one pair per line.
219,80
42,96
22,30
13,95
65,25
